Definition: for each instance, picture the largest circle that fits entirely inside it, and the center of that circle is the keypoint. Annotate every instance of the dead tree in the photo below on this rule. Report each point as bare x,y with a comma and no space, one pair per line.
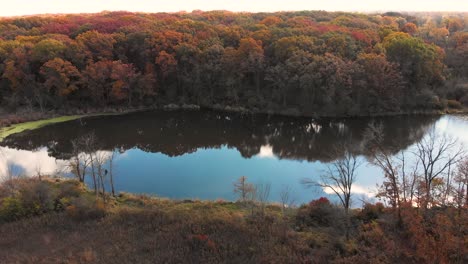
80,160
436,154
262,194
339,178
111,172
243,188
460,190
287,201
398,186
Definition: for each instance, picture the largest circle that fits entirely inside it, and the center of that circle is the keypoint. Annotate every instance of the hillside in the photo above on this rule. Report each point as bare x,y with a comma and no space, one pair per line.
311,63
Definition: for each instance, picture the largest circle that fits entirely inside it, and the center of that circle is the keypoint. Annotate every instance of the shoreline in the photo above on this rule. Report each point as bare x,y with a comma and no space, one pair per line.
29,121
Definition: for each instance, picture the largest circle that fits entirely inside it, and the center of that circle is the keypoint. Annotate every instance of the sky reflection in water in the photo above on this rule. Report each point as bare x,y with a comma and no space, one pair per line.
208,171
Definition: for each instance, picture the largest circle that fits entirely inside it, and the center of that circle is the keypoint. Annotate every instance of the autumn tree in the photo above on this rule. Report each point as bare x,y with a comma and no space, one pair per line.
61,77
378,84
110,81
309,63
420,63
124,79
250,57
166,67
47,49
188,73
211,67
18,76
98,46
410,28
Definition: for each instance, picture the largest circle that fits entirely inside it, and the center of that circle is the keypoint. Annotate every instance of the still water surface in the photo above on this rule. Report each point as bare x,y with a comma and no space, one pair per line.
199,154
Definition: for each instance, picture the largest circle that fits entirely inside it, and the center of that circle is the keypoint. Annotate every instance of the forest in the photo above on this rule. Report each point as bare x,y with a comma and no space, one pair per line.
312,63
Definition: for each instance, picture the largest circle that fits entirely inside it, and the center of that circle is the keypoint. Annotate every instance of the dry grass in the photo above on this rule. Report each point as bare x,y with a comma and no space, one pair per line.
141,229
170,234
138,229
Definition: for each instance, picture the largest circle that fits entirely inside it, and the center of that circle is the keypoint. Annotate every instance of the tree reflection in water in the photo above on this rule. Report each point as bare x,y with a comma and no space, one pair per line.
180,132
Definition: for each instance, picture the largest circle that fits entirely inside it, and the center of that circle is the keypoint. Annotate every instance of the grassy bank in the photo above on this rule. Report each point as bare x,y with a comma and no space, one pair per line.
20,127
19,122
61,221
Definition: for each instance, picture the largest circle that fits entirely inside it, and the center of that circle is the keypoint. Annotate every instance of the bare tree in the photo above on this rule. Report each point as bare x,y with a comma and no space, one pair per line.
100,159
80,161
339,178
287,201
89,145
111,172
460,190
427,179
383,158
399,185
8,178
243,188
99,164
436,155
38,171
262,193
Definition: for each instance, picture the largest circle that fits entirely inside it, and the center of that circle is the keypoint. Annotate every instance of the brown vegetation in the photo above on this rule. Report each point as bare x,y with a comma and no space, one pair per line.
61,221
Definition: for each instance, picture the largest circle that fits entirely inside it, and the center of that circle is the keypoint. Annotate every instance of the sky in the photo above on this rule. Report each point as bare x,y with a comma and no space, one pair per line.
30,7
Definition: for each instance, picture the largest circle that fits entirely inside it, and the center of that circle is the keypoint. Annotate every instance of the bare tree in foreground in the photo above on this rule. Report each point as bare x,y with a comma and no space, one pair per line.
255,196
339,178
99,164
437,155
287,201
399,185
423,176
243,188
262,193
111,172
80,162
8,178
460,192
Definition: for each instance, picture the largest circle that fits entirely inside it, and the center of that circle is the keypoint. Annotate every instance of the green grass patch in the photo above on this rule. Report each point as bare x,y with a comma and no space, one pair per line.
18,128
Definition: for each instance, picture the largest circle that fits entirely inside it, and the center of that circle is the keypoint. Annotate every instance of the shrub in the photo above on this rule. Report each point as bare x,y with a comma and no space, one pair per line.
37,197
82,209
318,213
11,209
66,191
62,204
69,189
27,197
371,212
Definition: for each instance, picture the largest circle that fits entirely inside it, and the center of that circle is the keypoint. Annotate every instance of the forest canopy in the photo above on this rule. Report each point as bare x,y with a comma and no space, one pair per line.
309,62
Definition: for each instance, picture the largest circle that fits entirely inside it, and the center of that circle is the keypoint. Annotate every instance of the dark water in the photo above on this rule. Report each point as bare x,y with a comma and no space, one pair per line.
199,154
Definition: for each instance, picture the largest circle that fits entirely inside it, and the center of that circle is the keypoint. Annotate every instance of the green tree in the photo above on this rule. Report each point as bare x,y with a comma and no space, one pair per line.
420,63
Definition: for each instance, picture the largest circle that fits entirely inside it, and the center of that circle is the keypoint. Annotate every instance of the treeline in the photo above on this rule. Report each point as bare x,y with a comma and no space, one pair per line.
309,62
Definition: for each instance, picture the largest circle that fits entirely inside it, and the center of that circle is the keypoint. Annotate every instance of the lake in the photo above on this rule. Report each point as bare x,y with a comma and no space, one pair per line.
200,154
